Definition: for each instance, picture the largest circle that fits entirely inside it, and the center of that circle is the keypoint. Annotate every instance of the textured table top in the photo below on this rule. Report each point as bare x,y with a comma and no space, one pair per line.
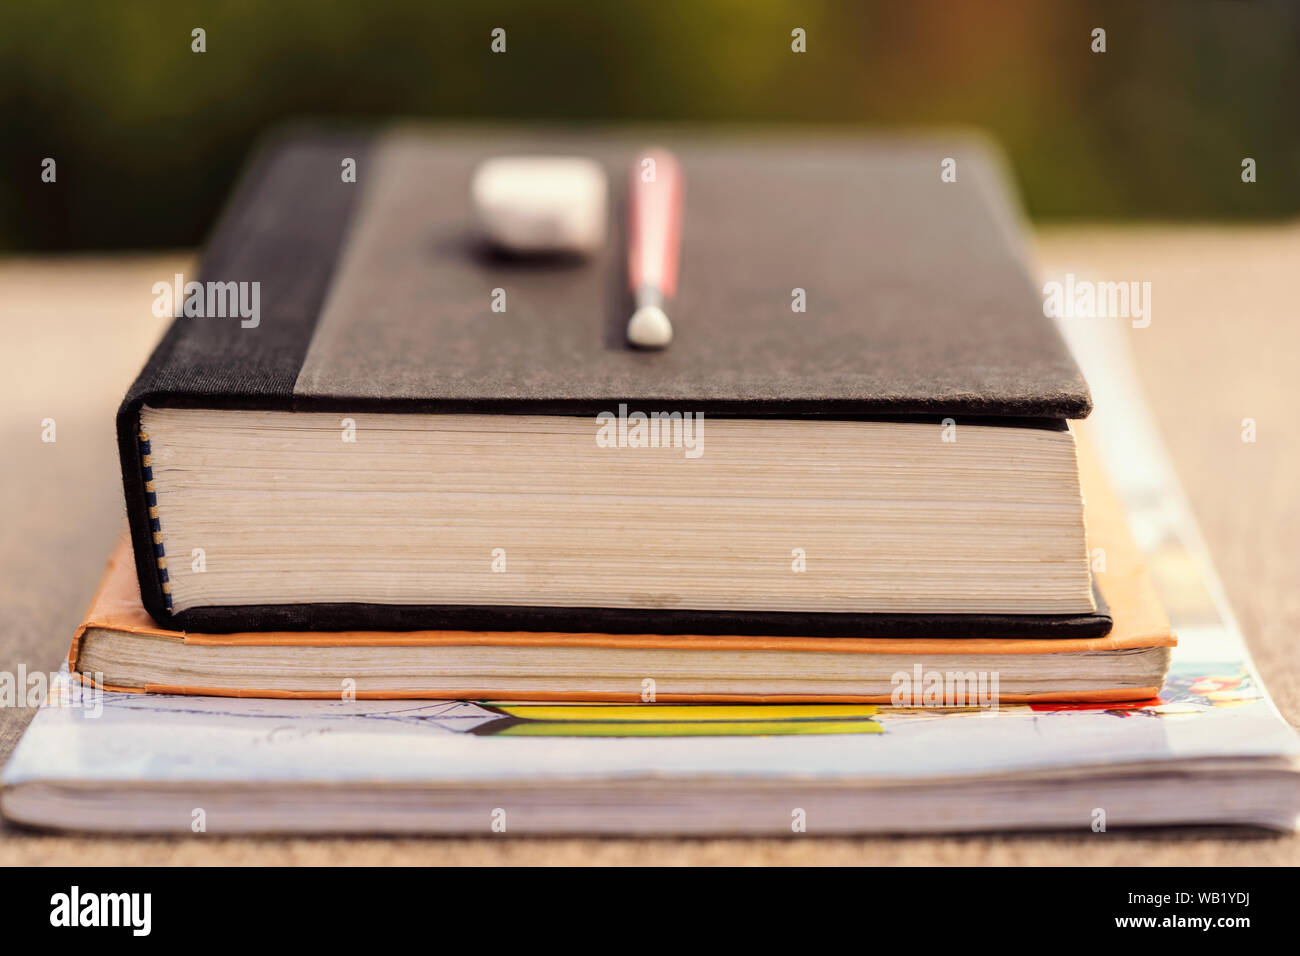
1221,347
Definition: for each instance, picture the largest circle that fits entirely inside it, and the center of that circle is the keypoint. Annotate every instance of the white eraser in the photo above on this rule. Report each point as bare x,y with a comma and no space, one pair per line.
541,204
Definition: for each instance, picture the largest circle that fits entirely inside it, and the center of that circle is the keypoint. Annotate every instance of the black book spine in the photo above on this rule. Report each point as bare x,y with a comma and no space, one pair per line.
284,228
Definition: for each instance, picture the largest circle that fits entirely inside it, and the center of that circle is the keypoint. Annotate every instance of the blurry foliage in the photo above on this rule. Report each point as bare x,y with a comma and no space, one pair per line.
148,136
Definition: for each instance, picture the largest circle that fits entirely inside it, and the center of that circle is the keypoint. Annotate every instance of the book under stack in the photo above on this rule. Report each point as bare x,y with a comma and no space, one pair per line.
850,502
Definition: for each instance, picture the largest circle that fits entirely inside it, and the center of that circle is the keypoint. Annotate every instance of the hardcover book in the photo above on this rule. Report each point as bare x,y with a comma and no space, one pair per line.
365,418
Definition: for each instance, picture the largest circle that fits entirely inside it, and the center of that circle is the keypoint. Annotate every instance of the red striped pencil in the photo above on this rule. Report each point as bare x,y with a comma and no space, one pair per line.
655,235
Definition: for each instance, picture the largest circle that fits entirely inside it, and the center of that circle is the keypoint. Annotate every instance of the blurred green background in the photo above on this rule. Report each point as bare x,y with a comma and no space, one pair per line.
149,136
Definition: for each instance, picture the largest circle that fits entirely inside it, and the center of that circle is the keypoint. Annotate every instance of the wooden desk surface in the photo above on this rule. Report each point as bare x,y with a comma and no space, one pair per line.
1222,346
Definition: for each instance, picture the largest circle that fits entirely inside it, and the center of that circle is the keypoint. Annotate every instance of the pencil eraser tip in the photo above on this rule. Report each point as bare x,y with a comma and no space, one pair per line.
649,328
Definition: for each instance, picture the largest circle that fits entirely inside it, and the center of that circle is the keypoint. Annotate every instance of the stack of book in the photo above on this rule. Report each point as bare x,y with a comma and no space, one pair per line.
387,487
855,478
